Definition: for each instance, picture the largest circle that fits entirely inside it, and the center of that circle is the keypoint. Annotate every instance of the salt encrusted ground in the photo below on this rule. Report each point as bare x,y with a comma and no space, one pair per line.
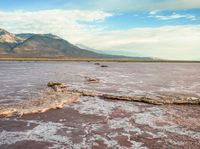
98,123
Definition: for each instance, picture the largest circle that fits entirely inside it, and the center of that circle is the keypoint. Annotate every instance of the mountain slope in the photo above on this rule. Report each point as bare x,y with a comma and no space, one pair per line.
25,36
7,41
48,45
6,37
40,45
28,45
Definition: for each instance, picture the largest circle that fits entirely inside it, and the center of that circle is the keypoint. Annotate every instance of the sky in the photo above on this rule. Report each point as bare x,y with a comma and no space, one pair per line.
165,29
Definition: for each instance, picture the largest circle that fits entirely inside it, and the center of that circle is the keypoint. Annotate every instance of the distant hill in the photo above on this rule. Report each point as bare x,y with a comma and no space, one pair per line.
43,46
114,53
50,46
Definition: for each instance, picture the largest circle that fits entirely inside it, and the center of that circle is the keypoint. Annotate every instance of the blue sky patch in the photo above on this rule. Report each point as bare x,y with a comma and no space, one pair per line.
138,19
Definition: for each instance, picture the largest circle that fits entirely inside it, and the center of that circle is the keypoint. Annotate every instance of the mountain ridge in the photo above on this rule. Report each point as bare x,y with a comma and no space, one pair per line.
30,45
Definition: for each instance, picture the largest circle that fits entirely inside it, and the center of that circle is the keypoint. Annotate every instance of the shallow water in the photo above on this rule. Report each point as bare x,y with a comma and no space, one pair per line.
98,123
21,80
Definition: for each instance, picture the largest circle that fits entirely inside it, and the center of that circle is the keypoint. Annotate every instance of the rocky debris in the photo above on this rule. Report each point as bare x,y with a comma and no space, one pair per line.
91,94
104,66
91,80
96,63
57,86
51,84
157,100
150,99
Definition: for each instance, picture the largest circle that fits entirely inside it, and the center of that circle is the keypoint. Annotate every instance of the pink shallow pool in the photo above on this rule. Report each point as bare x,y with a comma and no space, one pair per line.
20,80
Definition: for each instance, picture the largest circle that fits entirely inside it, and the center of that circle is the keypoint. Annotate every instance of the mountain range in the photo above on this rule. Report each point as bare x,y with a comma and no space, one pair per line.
29,45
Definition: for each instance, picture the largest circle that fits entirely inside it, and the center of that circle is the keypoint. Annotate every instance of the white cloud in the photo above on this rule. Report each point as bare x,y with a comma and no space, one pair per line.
169,42
153,12
61,22
173,16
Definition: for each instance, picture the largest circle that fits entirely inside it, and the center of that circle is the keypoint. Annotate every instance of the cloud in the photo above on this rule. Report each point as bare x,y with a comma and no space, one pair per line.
167,42
173,16
61,22
153,12
54,15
